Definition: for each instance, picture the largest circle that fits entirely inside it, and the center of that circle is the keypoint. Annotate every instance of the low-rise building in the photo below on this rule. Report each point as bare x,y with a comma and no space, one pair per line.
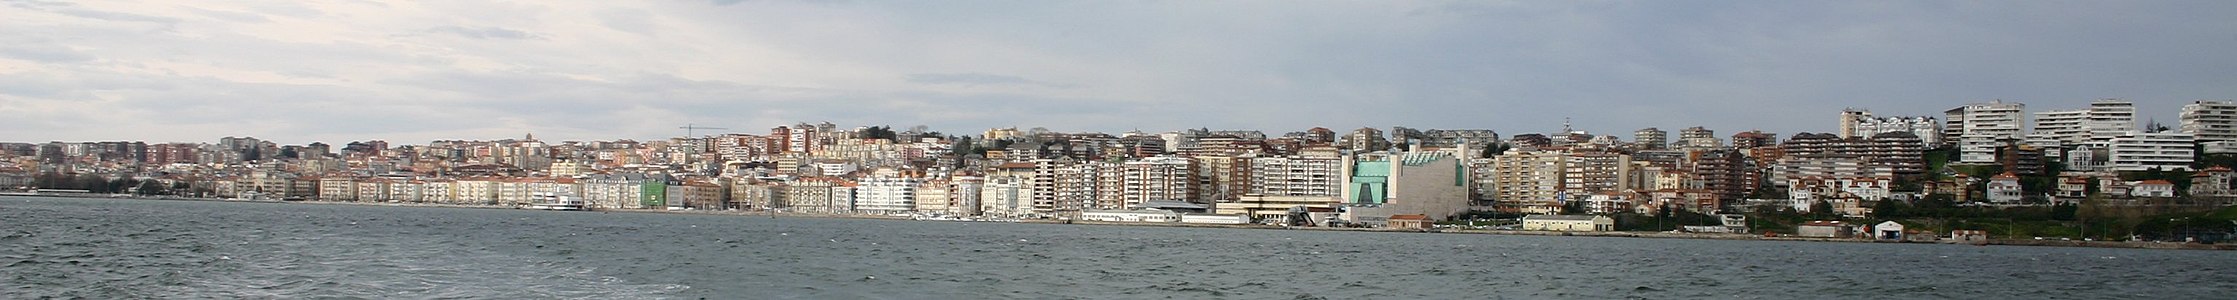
1131,216
2004,189
1408,222
1825,229
1568,223
2153,189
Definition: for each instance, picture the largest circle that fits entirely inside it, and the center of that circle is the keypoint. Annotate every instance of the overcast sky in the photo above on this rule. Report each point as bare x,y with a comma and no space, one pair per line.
413,71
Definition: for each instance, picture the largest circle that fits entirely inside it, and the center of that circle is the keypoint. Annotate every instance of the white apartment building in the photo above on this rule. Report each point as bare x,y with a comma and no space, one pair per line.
2103,120
2140,151
2109,118
1991,120
1006,196
1148,179
1861,123
1284,176
2064,126
2210,121
880,194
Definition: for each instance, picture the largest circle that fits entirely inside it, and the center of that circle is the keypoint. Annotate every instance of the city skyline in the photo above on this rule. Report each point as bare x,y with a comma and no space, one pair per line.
411,72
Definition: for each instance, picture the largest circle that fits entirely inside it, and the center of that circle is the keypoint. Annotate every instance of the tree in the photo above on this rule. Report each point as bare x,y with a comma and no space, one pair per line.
879,133
1887,209
1822,210
2064,211
151,187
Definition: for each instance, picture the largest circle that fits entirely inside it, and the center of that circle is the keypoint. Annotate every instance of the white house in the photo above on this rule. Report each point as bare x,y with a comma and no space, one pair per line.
2004,188
2153,188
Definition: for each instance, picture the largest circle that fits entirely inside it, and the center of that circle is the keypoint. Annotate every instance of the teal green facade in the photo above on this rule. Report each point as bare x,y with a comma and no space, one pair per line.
653,194
1370,182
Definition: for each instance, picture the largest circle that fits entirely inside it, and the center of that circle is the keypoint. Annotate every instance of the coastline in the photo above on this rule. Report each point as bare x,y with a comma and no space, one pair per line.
1615,234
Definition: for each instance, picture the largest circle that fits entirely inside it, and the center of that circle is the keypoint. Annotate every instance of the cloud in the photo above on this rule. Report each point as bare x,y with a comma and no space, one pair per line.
415,71
44,53
975,79
486,33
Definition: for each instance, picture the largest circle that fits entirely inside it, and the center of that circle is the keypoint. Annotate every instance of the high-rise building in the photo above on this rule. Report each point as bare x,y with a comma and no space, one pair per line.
2109,118
1364,140
1993,120
2104,119
1861,124
1527,181
1754,138
2142,151
1698,138
2064,126
1651,139
2210,121
882,194
1851,119
1295,176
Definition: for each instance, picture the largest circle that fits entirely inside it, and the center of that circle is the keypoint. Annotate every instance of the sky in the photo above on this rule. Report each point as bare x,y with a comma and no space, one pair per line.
299,71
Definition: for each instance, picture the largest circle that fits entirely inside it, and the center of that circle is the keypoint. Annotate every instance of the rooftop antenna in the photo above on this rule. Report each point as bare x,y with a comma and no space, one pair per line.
688,129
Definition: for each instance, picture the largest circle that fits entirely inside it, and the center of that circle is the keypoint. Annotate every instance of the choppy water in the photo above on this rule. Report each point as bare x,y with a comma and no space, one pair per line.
111,249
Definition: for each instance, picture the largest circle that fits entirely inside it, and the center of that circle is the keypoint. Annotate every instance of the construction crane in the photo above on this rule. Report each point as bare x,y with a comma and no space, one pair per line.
689,128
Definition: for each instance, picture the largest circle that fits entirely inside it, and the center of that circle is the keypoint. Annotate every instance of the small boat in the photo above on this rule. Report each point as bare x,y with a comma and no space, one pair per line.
557,201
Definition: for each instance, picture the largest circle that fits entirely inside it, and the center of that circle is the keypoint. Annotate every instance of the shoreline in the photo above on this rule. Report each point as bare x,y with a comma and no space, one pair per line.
1614,234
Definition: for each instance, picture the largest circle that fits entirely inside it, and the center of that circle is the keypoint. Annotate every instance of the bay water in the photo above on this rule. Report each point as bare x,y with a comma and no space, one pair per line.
78,248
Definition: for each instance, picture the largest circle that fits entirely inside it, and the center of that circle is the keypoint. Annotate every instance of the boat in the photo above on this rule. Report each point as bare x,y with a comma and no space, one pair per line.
557,201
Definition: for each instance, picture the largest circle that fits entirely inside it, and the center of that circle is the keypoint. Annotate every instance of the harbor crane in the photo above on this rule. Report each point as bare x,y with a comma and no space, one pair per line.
689,128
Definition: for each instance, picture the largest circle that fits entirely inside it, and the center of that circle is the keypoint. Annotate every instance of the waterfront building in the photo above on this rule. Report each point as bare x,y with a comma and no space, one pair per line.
1006,196
936,195
1295,176
755,194
2210,121
697,194
884,194
1381,185
337,188
1527,181
1149,179
820,195
1568,223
